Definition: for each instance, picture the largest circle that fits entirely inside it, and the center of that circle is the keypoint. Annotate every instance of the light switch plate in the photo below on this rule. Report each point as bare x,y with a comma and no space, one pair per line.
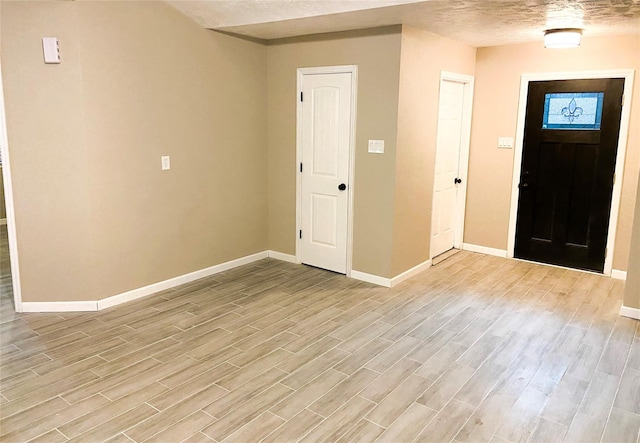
505,142
376,146
166,162
51,50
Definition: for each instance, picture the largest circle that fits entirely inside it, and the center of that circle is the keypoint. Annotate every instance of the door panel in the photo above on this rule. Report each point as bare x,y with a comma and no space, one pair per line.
447,166
566,179
326,131
326,126
324,212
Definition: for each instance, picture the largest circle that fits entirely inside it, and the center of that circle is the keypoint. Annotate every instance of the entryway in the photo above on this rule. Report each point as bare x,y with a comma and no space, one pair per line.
326,116
452,158
568,169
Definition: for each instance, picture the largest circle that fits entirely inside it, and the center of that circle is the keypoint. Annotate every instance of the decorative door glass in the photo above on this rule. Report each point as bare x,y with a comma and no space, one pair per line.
573,110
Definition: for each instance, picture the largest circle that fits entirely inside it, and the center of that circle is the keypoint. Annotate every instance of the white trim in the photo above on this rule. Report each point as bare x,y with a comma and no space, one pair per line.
391,282
353,70
625,121
370,278
484,250
59,306
618,274
9,205
625,118
177,281
463,159
282,256
626,311
98,305
411,272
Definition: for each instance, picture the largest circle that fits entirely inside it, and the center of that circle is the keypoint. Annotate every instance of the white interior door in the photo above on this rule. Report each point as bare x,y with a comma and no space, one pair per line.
325,138
449,139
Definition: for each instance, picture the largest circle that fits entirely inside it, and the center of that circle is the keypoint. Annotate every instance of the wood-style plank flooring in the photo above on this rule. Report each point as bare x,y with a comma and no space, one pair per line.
477,348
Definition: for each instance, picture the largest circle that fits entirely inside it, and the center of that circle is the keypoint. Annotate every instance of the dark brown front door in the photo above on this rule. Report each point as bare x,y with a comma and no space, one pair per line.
566,181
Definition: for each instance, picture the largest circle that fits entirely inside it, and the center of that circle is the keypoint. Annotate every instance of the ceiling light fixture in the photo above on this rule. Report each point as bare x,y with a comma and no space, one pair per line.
562,38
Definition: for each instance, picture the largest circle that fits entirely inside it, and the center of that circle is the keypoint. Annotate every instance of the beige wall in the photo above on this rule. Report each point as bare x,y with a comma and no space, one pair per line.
498,71
95,215
632,285
424,57
398,83
377,54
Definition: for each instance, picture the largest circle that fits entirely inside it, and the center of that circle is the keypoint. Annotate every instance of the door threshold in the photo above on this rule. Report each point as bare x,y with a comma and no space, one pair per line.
445,255
586,271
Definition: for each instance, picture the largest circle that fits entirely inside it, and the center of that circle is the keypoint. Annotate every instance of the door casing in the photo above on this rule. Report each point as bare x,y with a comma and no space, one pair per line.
628,75
465,140
301,72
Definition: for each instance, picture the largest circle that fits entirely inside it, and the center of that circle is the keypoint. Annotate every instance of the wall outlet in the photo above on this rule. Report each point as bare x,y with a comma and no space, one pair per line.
166,162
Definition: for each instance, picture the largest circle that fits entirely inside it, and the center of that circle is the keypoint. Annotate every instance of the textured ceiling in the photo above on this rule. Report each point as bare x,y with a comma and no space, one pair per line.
475,22
215,14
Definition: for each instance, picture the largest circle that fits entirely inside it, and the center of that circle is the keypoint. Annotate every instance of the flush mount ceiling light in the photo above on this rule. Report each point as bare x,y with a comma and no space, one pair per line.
562,38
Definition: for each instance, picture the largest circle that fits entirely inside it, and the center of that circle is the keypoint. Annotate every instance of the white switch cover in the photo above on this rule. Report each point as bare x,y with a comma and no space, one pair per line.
376,146
505,142
166,162
51,50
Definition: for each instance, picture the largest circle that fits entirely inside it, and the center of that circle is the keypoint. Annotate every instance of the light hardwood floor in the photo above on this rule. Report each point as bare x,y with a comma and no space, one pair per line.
477,348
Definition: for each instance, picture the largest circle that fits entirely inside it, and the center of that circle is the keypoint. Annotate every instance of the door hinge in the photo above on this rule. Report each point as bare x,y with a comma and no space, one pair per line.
614,179
300,166
301,96
300,233
622,100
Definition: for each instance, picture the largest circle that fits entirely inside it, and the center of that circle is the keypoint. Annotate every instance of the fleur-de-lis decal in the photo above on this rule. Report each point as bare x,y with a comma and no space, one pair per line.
572,112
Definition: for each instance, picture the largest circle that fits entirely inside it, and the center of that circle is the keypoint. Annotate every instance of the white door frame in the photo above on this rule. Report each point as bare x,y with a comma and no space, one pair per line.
353,70
465,141
625,119
8,198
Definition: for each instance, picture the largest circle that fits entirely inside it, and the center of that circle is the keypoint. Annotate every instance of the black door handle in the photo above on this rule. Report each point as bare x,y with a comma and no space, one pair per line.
523,185
342,187
457,180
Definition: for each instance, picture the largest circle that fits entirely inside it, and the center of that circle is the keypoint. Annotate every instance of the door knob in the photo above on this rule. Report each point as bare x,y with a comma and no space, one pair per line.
457,180
342,187
523,185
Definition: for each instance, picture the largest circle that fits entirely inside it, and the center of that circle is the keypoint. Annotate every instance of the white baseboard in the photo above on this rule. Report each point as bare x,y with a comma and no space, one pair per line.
484,250
390,282
282,256
59,306
177,281
411,272
626,311
618,275
370,278
97,305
